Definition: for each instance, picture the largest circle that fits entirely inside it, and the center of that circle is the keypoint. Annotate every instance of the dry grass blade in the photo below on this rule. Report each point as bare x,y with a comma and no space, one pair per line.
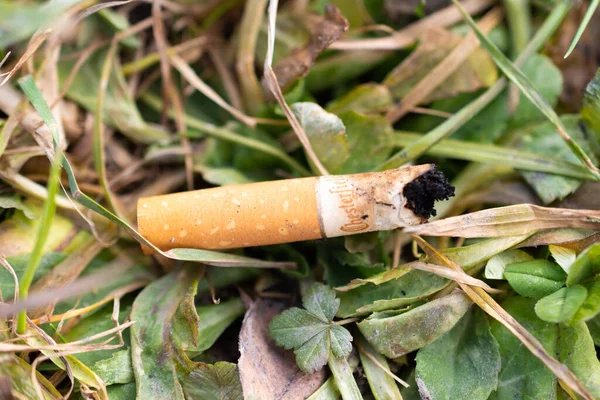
273,85
490,306
383,367
455,275
34,44
94,9
170,91
88,283
443,70
249,29
514,220
407,36
194,80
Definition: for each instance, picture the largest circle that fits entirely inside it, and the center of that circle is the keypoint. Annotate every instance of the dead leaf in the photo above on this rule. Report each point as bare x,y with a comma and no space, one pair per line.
297,64
508,221
478,71
268,371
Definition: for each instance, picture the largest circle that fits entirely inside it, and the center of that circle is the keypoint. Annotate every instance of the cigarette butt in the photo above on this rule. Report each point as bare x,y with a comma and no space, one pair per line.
292,210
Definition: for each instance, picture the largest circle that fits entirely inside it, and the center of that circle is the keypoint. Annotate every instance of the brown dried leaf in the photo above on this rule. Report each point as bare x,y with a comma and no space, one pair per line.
520,219
268,371
453,66
476,72
297,64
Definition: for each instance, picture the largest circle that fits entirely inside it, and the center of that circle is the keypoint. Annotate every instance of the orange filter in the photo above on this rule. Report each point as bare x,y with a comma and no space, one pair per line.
291,210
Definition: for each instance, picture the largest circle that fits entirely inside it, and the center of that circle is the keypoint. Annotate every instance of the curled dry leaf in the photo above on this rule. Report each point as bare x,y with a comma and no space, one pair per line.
268,371
520,219
297,64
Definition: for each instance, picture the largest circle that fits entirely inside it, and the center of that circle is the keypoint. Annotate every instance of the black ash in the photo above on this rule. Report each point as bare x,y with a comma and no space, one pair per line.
424,191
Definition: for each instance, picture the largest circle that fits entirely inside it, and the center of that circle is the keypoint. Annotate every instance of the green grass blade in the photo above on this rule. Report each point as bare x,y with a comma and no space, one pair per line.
584,23
47,215
496,155
523,83
215,258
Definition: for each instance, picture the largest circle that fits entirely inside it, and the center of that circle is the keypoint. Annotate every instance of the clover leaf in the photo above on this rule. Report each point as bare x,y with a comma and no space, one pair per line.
311,332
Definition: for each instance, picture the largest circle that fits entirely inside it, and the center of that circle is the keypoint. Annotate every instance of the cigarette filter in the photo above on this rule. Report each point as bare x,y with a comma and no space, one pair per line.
291,210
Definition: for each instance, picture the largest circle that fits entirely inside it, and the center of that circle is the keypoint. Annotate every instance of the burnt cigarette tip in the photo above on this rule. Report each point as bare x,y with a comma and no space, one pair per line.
424,191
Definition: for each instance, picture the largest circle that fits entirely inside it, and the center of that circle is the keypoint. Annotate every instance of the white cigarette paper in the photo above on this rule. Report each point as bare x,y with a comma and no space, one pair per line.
290,210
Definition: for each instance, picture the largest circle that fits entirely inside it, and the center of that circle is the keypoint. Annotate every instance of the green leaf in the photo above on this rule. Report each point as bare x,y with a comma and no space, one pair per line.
406,289
471,255
341,67
577,352
122,392
536,278
314,353
543,139
527,88
310,332
365,98
320,301
586,265
94,323
464,362
594,327
561,305
398,335
368,141
19,20
220,381
18,263
294,327
116,369
381,383
156,361
547,79
341,341
591,306
326,132
494,269
522,375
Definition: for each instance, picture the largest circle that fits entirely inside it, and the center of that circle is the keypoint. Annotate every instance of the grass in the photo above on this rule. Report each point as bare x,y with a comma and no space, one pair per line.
104,103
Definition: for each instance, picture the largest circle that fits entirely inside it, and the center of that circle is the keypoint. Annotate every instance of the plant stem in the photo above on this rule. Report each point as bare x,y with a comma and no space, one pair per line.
346,321
343,378
254,11
42,236
519,22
